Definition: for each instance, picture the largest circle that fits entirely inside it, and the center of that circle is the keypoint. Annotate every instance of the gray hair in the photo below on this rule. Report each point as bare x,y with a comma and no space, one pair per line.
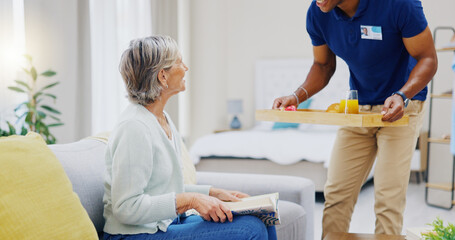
141,63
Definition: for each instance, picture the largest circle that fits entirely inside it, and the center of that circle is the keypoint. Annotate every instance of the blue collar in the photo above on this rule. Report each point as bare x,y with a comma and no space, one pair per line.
340,15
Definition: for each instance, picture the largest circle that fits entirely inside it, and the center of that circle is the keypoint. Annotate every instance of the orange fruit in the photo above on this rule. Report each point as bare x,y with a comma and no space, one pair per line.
333,108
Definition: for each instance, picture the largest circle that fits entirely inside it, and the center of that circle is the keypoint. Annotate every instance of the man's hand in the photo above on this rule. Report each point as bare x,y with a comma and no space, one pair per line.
393,108
283,102
227,195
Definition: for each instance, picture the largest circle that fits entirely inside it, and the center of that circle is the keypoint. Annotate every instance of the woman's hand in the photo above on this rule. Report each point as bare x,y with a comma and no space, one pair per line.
227,195
210,208
284,101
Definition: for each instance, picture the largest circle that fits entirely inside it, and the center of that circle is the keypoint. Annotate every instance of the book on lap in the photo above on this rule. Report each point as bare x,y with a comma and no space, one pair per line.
265,207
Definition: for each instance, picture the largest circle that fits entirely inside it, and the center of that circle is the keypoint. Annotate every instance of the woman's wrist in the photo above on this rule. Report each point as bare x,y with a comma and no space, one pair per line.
184,202
213,191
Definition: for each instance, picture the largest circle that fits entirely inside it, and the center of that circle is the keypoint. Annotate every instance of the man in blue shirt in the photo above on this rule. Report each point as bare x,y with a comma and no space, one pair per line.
391,57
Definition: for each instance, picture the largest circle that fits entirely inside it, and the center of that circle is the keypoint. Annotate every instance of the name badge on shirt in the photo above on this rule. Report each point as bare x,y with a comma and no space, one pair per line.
371,32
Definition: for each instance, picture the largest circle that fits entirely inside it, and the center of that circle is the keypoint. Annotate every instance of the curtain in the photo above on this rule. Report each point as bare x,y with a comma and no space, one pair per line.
112,25
12,47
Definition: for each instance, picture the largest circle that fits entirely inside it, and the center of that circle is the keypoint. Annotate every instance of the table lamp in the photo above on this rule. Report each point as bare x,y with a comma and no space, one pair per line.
234,107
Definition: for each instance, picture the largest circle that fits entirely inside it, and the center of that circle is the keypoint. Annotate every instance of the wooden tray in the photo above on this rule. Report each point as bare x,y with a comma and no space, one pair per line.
321,117
445,49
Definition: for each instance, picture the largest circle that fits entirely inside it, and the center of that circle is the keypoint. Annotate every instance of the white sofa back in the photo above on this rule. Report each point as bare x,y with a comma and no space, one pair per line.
83,162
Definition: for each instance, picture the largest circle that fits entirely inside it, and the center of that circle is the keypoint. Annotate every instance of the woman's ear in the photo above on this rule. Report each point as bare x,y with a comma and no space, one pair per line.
162,77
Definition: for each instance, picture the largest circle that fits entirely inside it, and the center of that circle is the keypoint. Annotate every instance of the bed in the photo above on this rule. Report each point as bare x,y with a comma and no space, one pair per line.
302,150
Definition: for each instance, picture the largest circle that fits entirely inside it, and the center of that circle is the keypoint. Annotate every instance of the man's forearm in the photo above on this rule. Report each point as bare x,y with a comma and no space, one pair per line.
420,76
318,77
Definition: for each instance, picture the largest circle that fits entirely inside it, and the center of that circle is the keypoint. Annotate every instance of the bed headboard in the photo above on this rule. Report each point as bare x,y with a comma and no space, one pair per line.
280,77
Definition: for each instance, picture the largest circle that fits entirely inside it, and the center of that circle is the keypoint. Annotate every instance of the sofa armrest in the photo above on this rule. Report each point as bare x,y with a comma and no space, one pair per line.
294,189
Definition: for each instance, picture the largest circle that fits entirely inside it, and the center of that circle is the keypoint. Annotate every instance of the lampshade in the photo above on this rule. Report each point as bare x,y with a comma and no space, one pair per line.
234,106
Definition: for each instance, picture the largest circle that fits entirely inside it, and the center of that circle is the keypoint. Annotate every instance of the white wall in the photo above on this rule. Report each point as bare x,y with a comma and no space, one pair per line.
57,38
228,36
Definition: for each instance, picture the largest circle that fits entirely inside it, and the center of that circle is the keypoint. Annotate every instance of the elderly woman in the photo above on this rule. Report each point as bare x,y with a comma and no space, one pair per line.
145,197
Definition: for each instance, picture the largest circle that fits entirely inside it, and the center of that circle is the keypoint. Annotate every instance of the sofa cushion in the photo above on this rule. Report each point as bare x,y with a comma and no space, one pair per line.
36,200
293,223
83,162
189,171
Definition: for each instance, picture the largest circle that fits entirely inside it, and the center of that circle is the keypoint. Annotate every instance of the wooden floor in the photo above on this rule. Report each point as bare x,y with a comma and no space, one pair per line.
362,236
417,213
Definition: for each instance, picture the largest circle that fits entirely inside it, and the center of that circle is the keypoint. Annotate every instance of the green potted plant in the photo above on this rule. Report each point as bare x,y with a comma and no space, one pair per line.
12,130
439,231
32,113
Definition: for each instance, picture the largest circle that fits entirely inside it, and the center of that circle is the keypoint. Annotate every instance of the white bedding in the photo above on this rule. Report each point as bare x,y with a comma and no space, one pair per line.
280,146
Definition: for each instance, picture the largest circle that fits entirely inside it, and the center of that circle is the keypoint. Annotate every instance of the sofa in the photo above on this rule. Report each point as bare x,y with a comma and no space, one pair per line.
83,162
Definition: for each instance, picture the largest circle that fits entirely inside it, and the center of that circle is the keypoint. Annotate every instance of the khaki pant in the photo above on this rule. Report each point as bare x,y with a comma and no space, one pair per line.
353,155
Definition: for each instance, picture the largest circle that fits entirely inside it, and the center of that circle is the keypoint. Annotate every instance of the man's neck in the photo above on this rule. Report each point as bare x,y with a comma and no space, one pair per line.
349,7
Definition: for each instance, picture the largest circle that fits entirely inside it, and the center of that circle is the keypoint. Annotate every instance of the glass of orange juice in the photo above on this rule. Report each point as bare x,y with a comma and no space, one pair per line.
350,102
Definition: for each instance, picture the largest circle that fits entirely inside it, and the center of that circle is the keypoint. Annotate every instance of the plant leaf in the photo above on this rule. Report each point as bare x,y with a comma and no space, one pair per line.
48,73
49,86
50,139
19,106
23,84
28,57
22,116
38,127
55,125
23,131
50,109
16,89
26,71
51,95
33,73
12,130
28,118
44,129
40,114
54,117
36,95
32,109
3,133
44,94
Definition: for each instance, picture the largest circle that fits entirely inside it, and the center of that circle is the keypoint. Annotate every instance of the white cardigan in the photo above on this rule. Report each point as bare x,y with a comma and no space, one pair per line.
144,173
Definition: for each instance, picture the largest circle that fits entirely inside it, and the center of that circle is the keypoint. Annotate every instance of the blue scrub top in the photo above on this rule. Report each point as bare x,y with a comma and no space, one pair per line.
371,44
